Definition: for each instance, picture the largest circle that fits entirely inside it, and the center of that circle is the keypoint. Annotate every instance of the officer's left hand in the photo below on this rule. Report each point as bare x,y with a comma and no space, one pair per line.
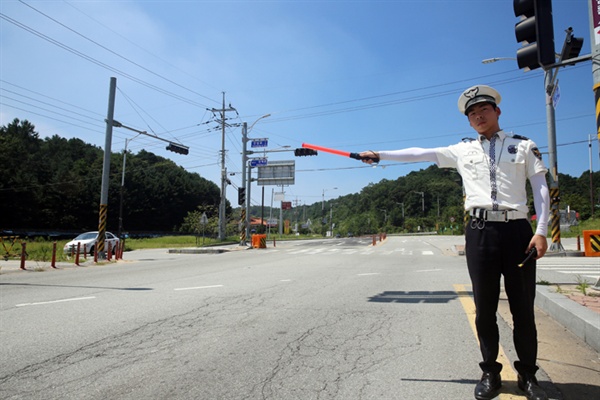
541,245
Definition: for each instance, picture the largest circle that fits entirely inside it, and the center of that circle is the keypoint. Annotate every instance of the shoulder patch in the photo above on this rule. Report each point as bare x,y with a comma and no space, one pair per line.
467,139
520,137
536,152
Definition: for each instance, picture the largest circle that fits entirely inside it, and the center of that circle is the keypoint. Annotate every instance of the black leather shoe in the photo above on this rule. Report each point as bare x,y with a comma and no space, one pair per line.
488,386
532,389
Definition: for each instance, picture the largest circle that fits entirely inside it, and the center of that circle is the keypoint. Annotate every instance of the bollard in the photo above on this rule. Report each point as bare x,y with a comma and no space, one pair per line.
96,253
53,263
77,254
85,251
274,244
23,255
374,240
122,250
578,243
109,254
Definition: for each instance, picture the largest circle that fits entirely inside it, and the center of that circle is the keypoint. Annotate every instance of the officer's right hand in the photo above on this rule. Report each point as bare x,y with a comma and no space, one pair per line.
369,157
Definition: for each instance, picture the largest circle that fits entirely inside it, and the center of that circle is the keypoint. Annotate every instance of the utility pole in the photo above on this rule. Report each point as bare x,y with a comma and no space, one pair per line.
223,203
106,168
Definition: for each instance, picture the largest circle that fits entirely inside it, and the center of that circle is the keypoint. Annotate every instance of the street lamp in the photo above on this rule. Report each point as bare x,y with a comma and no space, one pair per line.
123,186
384,216
422,200
323,200
331,217
494,59
402,204
245,216
323,204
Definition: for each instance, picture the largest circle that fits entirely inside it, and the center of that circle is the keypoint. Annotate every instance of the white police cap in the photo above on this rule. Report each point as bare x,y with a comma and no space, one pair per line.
477,94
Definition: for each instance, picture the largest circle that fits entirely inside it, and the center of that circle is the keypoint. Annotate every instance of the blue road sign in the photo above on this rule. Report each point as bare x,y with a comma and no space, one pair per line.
258,162
259,143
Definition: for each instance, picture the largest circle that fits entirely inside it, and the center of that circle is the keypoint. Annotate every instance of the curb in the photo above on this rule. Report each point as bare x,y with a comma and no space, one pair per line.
582,322
207,250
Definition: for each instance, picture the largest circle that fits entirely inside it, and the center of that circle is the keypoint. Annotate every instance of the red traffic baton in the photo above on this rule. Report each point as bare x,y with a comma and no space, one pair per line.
356,156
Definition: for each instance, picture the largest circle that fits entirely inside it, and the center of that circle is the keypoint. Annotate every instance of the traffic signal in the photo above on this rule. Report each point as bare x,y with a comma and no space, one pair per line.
536,32
572,46
301,152
178,148
241,196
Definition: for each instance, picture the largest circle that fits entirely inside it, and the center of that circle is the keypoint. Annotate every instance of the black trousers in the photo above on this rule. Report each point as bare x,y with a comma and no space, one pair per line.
495,249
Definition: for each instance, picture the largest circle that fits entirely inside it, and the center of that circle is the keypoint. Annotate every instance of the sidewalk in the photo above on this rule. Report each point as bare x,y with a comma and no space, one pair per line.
579,314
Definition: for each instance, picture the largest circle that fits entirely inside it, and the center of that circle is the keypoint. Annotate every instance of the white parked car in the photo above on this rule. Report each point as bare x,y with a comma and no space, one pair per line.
89,239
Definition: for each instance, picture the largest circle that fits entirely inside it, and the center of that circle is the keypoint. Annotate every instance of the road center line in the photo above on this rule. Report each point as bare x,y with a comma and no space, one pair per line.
55,301
200,287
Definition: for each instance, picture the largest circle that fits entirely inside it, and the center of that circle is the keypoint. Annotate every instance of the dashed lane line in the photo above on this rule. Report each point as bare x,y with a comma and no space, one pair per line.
199,287
55,301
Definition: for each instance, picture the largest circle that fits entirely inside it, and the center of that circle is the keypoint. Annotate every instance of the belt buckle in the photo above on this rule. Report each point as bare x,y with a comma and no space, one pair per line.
496,216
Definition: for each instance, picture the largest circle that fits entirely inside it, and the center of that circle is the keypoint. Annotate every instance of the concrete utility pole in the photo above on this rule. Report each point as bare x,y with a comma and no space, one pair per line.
223,203
106,168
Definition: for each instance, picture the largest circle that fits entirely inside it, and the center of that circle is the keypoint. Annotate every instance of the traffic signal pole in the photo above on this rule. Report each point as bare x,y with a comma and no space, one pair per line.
535,31
595,45
553,163
243,220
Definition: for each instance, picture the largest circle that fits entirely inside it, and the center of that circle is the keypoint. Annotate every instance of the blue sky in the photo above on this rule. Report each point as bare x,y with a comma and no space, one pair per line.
352,75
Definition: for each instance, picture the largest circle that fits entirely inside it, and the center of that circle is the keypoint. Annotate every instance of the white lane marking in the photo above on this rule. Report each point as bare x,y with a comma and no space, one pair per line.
200,287
370,273
55,301
286,280
427,253
429,270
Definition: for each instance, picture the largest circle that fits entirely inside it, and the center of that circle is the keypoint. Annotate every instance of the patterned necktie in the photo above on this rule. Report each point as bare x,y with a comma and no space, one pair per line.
493,183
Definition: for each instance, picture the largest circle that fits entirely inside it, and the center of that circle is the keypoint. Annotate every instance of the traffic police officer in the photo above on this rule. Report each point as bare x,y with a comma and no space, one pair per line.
495,168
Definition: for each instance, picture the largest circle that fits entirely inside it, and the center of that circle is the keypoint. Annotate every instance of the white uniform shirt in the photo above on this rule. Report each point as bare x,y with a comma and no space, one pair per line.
517,159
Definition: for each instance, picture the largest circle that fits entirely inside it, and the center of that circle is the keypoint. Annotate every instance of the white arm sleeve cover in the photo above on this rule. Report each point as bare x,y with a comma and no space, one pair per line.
412,154
541,202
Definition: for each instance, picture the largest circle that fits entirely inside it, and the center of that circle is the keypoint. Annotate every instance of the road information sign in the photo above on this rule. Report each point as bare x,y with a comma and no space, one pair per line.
259,143
258,162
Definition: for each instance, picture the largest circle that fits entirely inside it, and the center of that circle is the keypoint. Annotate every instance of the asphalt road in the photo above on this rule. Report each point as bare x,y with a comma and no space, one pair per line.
334,319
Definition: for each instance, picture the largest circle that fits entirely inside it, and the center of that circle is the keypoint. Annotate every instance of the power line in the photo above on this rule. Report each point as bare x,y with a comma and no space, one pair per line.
99,63
115,53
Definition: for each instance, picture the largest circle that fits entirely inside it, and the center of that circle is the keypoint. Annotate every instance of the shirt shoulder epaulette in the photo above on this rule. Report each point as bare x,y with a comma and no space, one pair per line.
519,137
467,139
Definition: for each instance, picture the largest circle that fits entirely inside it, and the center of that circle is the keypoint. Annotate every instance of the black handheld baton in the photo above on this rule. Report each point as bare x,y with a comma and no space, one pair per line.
532,253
